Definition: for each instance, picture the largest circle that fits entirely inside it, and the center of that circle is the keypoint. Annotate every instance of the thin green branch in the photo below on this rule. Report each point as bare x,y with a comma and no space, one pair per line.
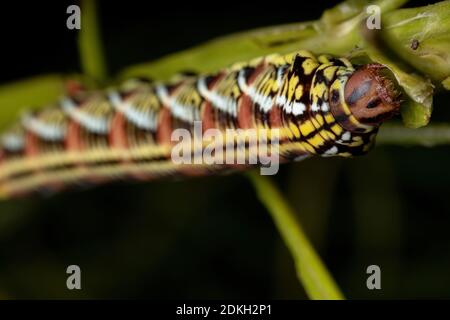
430,136
311,271
90,44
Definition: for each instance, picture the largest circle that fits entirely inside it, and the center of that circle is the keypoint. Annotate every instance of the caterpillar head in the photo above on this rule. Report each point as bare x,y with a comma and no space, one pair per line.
371,95
360,100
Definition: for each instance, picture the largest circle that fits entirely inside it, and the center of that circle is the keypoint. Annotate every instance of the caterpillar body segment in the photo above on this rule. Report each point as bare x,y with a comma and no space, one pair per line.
321,106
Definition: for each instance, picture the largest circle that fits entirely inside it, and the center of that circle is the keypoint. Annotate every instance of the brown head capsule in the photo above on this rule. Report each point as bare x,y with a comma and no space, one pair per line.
371,96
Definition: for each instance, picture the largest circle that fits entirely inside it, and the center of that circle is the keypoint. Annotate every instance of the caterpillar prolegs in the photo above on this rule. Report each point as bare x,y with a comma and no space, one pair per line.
321,106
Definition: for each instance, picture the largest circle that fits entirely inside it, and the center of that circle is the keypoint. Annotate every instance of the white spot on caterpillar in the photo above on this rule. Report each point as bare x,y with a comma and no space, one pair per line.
12,142
183,112
280,100
163,95
332,151
225,104
93,124
346,136
242,82
43,130
287,107
265,102
147,121
314,107
180,111
325,107
281,72
298,108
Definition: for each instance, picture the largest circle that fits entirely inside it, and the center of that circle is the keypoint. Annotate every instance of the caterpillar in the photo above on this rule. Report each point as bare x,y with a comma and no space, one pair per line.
321,105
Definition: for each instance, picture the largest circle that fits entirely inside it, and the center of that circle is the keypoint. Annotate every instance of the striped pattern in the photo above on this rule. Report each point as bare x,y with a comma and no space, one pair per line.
125,132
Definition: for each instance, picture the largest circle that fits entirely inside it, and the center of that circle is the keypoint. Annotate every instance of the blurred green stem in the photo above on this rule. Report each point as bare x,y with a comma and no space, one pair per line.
90,44
311,271
432,135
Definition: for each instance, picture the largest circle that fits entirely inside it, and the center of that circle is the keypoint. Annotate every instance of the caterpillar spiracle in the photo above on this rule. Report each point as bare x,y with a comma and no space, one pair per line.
321,105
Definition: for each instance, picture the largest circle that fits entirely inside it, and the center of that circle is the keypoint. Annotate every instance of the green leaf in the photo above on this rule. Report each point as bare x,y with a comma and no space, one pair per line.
421,37
414,114
420,40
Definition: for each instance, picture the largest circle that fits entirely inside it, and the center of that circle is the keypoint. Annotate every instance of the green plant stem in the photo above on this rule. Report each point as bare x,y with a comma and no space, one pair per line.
432,135
311,271
90,44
